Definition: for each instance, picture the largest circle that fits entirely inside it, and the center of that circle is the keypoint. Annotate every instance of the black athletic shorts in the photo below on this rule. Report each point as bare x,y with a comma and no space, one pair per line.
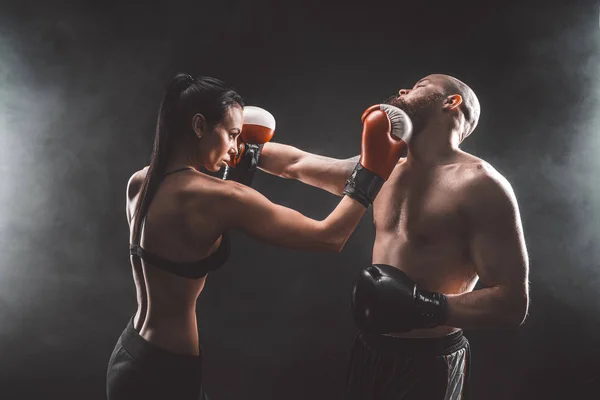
391,368
140,370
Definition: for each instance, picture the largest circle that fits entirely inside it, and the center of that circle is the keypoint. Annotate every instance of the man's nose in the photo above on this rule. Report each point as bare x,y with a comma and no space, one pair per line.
402,92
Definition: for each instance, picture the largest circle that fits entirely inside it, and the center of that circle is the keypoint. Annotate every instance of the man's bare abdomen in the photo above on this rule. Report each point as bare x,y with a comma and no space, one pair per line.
434,268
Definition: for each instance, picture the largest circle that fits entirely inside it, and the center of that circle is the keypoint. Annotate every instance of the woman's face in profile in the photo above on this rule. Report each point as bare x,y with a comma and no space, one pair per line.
221,144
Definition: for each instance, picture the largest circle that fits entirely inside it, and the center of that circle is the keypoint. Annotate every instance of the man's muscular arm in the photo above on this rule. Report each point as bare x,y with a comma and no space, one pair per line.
291,163
497,247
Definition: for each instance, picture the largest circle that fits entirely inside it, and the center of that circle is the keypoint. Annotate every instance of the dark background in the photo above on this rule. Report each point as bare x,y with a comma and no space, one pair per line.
80,85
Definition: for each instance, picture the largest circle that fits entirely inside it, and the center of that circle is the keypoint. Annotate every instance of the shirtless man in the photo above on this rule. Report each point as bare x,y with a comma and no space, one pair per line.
443,220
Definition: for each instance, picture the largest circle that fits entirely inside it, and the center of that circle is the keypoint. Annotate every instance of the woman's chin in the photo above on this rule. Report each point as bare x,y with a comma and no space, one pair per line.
216,167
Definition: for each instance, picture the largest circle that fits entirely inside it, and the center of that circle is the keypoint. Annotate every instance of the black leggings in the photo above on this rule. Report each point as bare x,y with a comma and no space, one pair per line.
140,370
386,367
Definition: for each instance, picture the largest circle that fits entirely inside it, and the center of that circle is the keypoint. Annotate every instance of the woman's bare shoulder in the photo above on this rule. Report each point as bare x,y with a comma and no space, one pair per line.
135,182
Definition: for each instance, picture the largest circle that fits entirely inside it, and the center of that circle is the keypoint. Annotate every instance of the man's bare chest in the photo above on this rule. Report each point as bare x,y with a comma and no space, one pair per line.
426,210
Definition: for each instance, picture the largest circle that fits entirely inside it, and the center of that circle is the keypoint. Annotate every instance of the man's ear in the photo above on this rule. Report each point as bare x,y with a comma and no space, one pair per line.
199,125
452,102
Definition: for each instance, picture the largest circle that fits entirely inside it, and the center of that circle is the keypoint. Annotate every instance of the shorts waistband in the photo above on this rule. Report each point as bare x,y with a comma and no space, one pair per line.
434,346
145,352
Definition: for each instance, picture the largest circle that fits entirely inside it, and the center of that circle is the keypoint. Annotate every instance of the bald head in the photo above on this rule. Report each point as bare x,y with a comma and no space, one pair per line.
470,104
432,97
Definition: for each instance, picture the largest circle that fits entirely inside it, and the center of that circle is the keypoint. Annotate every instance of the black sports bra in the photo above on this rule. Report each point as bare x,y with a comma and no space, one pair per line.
192,270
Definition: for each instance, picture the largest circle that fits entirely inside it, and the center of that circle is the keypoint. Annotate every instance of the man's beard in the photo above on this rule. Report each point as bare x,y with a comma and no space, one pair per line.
419,110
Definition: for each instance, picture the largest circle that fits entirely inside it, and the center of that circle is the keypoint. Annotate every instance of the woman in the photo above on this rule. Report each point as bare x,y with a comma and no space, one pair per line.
178,217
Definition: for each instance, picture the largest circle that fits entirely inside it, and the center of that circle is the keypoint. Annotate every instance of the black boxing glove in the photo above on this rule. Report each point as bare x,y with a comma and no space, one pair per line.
245,166
386,300
258,129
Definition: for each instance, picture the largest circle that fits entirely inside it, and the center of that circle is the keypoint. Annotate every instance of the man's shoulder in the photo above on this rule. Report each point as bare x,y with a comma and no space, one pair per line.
485,177
486,187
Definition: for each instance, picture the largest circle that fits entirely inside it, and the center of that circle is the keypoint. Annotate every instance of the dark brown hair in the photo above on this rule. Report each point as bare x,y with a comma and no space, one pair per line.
183,98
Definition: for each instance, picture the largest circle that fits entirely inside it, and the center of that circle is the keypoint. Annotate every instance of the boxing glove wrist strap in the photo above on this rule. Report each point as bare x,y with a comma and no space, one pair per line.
433,309
363,185
246,168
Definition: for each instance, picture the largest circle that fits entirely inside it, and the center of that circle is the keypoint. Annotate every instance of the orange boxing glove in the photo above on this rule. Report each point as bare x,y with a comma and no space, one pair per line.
258,128
386,133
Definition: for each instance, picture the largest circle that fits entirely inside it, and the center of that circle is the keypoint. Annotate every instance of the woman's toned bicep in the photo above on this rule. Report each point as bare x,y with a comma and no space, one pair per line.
250,212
